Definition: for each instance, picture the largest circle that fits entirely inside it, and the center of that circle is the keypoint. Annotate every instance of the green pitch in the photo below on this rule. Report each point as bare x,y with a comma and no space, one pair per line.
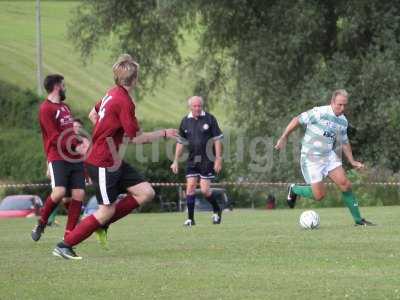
252,255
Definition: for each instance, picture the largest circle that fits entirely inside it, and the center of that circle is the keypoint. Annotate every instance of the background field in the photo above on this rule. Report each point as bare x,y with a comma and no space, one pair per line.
252,255
85,84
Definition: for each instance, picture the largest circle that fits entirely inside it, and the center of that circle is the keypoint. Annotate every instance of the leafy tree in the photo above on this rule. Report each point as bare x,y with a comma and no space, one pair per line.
271,59
148,30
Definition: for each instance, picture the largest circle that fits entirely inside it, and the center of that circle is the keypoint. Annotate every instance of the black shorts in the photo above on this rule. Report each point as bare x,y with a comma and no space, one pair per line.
67,174
203,169
110,184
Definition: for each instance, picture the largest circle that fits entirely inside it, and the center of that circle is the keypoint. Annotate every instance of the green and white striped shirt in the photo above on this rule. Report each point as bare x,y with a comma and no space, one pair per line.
325,131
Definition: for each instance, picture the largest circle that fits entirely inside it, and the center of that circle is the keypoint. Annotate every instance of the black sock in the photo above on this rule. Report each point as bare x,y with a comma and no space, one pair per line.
190,201
63,245
213,203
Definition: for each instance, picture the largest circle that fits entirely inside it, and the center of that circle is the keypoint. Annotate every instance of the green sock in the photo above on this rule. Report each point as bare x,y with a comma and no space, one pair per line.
352,204
53,215
303,190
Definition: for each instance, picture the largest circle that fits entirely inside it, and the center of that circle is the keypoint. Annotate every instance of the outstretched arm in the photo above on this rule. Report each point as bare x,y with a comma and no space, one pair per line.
289,129
149,137
349,155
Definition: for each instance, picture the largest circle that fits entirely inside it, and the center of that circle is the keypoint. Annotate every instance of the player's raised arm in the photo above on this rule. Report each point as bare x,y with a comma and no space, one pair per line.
149,137
132,129
281,143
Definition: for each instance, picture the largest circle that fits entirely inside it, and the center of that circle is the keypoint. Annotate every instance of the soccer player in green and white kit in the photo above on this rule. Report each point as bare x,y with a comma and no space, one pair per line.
324,141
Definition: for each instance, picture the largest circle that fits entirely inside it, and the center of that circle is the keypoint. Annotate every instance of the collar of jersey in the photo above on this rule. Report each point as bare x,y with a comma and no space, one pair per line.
55,103
203,113
332,112
127,93
122,88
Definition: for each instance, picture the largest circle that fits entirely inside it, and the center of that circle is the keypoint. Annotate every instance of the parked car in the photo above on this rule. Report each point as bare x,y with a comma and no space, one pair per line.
20,206
92,205
202,204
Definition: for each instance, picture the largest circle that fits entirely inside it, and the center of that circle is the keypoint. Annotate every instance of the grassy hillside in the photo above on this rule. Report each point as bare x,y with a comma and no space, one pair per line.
85,84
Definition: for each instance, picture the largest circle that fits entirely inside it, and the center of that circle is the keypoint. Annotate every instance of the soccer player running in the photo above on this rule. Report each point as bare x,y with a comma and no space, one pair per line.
324,141
85,143
199,131
63,151
111,175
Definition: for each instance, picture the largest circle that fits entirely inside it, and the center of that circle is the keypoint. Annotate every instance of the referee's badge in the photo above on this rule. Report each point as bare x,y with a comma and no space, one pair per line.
206,126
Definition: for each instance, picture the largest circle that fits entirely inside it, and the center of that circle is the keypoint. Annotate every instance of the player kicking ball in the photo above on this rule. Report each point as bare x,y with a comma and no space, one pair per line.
324,142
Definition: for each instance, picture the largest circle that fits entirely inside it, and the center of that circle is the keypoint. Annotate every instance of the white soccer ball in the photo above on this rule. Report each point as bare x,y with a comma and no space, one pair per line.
309,219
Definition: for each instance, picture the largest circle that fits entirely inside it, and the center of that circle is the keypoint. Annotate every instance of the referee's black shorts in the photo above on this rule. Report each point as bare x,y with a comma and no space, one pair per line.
109,184
203,169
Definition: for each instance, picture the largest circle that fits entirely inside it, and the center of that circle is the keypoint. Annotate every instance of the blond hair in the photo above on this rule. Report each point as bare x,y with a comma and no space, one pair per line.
125,70
339,92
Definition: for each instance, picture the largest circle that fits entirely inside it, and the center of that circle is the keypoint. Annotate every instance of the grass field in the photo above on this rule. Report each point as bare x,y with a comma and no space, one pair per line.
85,84
252,255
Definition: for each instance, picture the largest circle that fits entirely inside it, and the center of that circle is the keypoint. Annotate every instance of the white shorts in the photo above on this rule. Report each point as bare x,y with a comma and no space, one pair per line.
316,168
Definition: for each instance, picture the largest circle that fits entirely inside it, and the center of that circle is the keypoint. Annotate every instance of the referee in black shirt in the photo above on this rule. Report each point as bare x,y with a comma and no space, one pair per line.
199,131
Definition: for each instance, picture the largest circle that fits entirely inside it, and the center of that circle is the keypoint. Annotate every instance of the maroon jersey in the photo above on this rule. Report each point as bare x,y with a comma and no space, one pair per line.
56,123
116,119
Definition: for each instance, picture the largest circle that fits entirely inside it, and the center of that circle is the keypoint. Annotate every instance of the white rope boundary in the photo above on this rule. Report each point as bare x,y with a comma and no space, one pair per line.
224,183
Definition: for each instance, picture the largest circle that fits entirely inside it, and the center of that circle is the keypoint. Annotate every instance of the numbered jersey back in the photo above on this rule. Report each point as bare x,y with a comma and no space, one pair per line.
117,118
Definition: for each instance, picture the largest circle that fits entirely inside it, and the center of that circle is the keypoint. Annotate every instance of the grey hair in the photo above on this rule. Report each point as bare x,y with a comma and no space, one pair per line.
339,92
190,100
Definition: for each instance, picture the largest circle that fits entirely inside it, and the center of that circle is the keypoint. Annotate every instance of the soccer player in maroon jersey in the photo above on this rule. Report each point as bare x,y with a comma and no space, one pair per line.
84,144
111,176
63,155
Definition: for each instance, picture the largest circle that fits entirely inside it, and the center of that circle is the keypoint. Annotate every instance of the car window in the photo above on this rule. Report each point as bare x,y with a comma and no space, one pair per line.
92,203
16,204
